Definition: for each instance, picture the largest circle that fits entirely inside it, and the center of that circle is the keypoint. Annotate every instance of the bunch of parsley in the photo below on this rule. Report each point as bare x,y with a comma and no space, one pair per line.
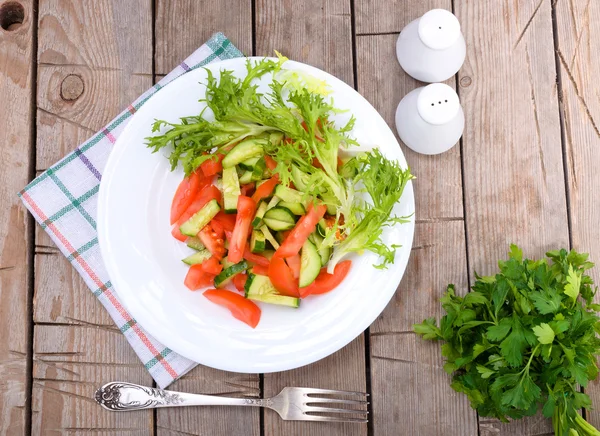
523,339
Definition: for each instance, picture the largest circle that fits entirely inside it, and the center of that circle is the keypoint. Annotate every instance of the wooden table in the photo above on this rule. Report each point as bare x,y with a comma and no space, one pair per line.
524,171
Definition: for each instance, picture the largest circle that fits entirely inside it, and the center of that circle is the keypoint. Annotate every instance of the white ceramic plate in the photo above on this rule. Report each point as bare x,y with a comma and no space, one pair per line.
144,261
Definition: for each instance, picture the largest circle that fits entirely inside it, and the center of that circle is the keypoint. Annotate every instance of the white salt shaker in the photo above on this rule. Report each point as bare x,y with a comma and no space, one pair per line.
432,48
430,119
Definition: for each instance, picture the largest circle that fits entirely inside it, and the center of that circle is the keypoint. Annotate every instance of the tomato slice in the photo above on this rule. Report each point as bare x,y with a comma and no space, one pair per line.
300,233
266,189
326,282
271,164
186,191
212,166
227,221
212,266
204,196
282,277
247,189
245,207
239,281
260,270
212,241
197,278
256,259
240,307
294,264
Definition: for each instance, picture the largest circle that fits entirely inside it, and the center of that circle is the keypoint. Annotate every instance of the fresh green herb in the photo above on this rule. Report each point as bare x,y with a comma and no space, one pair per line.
522,339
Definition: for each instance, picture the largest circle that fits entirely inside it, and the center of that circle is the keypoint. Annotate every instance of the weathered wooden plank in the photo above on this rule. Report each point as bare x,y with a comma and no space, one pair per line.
578,45
318,33
410,389
94,58
314,32
16,119
197,21
184,25
70,363
514,181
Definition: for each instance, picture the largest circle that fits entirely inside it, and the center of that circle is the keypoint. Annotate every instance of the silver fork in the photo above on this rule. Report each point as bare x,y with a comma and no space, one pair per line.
295,404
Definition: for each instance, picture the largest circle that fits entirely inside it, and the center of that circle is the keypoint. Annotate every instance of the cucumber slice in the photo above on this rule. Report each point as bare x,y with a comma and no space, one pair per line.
260,213
269,236
201,218
260,288
310,264
324,251
257,242
299,177
295,208
231,189
243,151
246,177
195,243
275,138
198,257
259,169
273,202
279,218
331,201
249,164
227,274
322,227
288,194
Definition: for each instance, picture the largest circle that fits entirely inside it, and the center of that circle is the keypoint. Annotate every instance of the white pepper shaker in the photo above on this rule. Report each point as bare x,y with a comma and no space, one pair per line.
432,48
430,119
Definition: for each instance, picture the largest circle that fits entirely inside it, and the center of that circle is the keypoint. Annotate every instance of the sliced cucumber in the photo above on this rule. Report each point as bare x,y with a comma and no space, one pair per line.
310,264
331,201
273,202
299,177
322,227
201,218
279,218
246,177
198,257
275,138
243,151
195,243
249,164
260,213
288,194
324,251
269,236
227,274
295,208
260,288
259,169
257,242
231,189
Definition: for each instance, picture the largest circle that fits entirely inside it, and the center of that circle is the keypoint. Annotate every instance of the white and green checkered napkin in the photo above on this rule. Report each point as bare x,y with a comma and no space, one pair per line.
64,198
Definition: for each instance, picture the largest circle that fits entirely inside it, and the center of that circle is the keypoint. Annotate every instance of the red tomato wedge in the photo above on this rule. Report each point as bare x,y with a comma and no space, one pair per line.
260,270
197,278
211,266
326,282
256,259
240,307
186,191
212,241
265,190
212,166
271,164
204,196
294,264
245,207
239,281
227,221
300,233
282,277
248,189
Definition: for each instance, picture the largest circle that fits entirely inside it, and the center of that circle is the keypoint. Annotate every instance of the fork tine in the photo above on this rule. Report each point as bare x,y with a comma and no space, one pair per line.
311,409
334,400
316,391
306,417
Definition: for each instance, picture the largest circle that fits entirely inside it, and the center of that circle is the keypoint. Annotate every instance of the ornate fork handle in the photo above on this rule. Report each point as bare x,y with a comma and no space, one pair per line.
123,396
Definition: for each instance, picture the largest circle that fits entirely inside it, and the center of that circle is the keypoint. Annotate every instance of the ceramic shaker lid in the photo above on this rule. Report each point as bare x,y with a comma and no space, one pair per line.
438,103
439,29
